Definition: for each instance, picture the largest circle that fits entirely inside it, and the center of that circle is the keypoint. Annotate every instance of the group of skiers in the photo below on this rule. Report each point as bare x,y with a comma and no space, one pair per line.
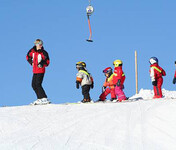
38,58
114,82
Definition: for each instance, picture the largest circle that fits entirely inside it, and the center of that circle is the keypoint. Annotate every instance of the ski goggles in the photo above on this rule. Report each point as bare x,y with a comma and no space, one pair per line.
106,71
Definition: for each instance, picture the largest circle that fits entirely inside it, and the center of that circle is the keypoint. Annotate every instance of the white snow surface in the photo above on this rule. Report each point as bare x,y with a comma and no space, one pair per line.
148,124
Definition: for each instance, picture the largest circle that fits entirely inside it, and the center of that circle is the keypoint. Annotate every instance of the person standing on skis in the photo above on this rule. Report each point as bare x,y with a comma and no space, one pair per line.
84,79
156,73
174,80
108,86
38,58
118,79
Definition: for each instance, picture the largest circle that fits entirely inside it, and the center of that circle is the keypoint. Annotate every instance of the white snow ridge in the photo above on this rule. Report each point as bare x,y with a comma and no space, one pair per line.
145,124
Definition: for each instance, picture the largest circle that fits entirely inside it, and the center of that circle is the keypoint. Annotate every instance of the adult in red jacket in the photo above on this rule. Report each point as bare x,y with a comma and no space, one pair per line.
156,73
118,79
39,59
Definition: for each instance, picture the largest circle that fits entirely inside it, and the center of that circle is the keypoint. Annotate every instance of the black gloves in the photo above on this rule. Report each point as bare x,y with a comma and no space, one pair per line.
77,84
154,83
41,64
30,60
92,85
103,89
118,82
174,80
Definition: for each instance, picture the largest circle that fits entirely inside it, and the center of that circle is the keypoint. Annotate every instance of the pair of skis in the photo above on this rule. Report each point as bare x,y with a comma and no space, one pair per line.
106,101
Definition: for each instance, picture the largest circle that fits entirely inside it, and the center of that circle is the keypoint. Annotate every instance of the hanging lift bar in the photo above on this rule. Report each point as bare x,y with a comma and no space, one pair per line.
89,11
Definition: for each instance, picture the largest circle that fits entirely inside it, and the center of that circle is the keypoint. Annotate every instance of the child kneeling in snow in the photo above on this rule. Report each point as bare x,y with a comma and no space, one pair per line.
156,73
108,86
84,79
118,79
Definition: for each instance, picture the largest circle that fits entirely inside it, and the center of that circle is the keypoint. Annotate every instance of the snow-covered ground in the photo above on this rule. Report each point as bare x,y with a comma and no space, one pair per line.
140,125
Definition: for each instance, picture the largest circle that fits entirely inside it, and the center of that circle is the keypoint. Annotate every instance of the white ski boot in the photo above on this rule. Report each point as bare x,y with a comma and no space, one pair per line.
37,102
45,101
42,101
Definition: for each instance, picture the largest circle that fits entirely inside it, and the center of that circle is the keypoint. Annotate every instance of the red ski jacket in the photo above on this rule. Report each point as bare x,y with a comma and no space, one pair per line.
39,59
175,74
119,75
109,82
156,72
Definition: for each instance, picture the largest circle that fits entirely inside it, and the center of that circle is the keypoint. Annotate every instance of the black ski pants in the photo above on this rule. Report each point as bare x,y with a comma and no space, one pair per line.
37,85
85,91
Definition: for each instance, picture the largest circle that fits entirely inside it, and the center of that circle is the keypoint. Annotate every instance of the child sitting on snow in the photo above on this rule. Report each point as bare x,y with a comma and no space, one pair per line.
84,79
156,73
108,86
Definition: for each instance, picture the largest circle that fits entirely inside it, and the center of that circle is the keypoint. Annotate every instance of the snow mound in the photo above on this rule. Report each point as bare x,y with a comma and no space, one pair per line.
148,94
136,125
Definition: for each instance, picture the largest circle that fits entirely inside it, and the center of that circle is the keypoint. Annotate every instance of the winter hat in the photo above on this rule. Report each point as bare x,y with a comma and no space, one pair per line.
38,41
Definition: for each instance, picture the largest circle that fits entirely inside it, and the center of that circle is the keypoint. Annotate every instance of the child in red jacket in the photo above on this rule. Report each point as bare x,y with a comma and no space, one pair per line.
108,86
118,79
156,73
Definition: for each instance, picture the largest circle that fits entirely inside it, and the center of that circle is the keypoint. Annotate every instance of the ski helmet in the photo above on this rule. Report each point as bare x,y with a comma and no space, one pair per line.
117,63
153,60
80,64
108,70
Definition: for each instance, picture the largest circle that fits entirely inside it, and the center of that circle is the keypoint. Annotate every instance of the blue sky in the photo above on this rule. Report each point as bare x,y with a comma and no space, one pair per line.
119,28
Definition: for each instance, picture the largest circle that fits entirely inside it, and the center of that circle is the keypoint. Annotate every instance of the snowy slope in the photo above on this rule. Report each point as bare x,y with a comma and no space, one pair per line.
140,125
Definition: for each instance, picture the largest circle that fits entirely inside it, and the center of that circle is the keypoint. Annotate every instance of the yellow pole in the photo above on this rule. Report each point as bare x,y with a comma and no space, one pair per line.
136,72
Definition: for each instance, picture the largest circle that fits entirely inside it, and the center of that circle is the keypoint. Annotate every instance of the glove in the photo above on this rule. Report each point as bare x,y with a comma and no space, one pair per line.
174,80
77,84
118,83
41,64
123,87
103,89
30,61
92,85
154,83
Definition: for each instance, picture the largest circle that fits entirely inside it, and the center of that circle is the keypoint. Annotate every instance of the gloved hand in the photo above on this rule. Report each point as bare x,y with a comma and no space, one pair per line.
174,80
30,61
118,82
154,83
103,89
41,64
77,84
92,85
123,87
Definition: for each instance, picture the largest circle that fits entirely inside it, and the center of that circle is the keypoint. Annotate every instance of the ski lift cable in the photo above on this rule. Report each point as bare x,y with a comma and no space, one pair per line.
89,2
